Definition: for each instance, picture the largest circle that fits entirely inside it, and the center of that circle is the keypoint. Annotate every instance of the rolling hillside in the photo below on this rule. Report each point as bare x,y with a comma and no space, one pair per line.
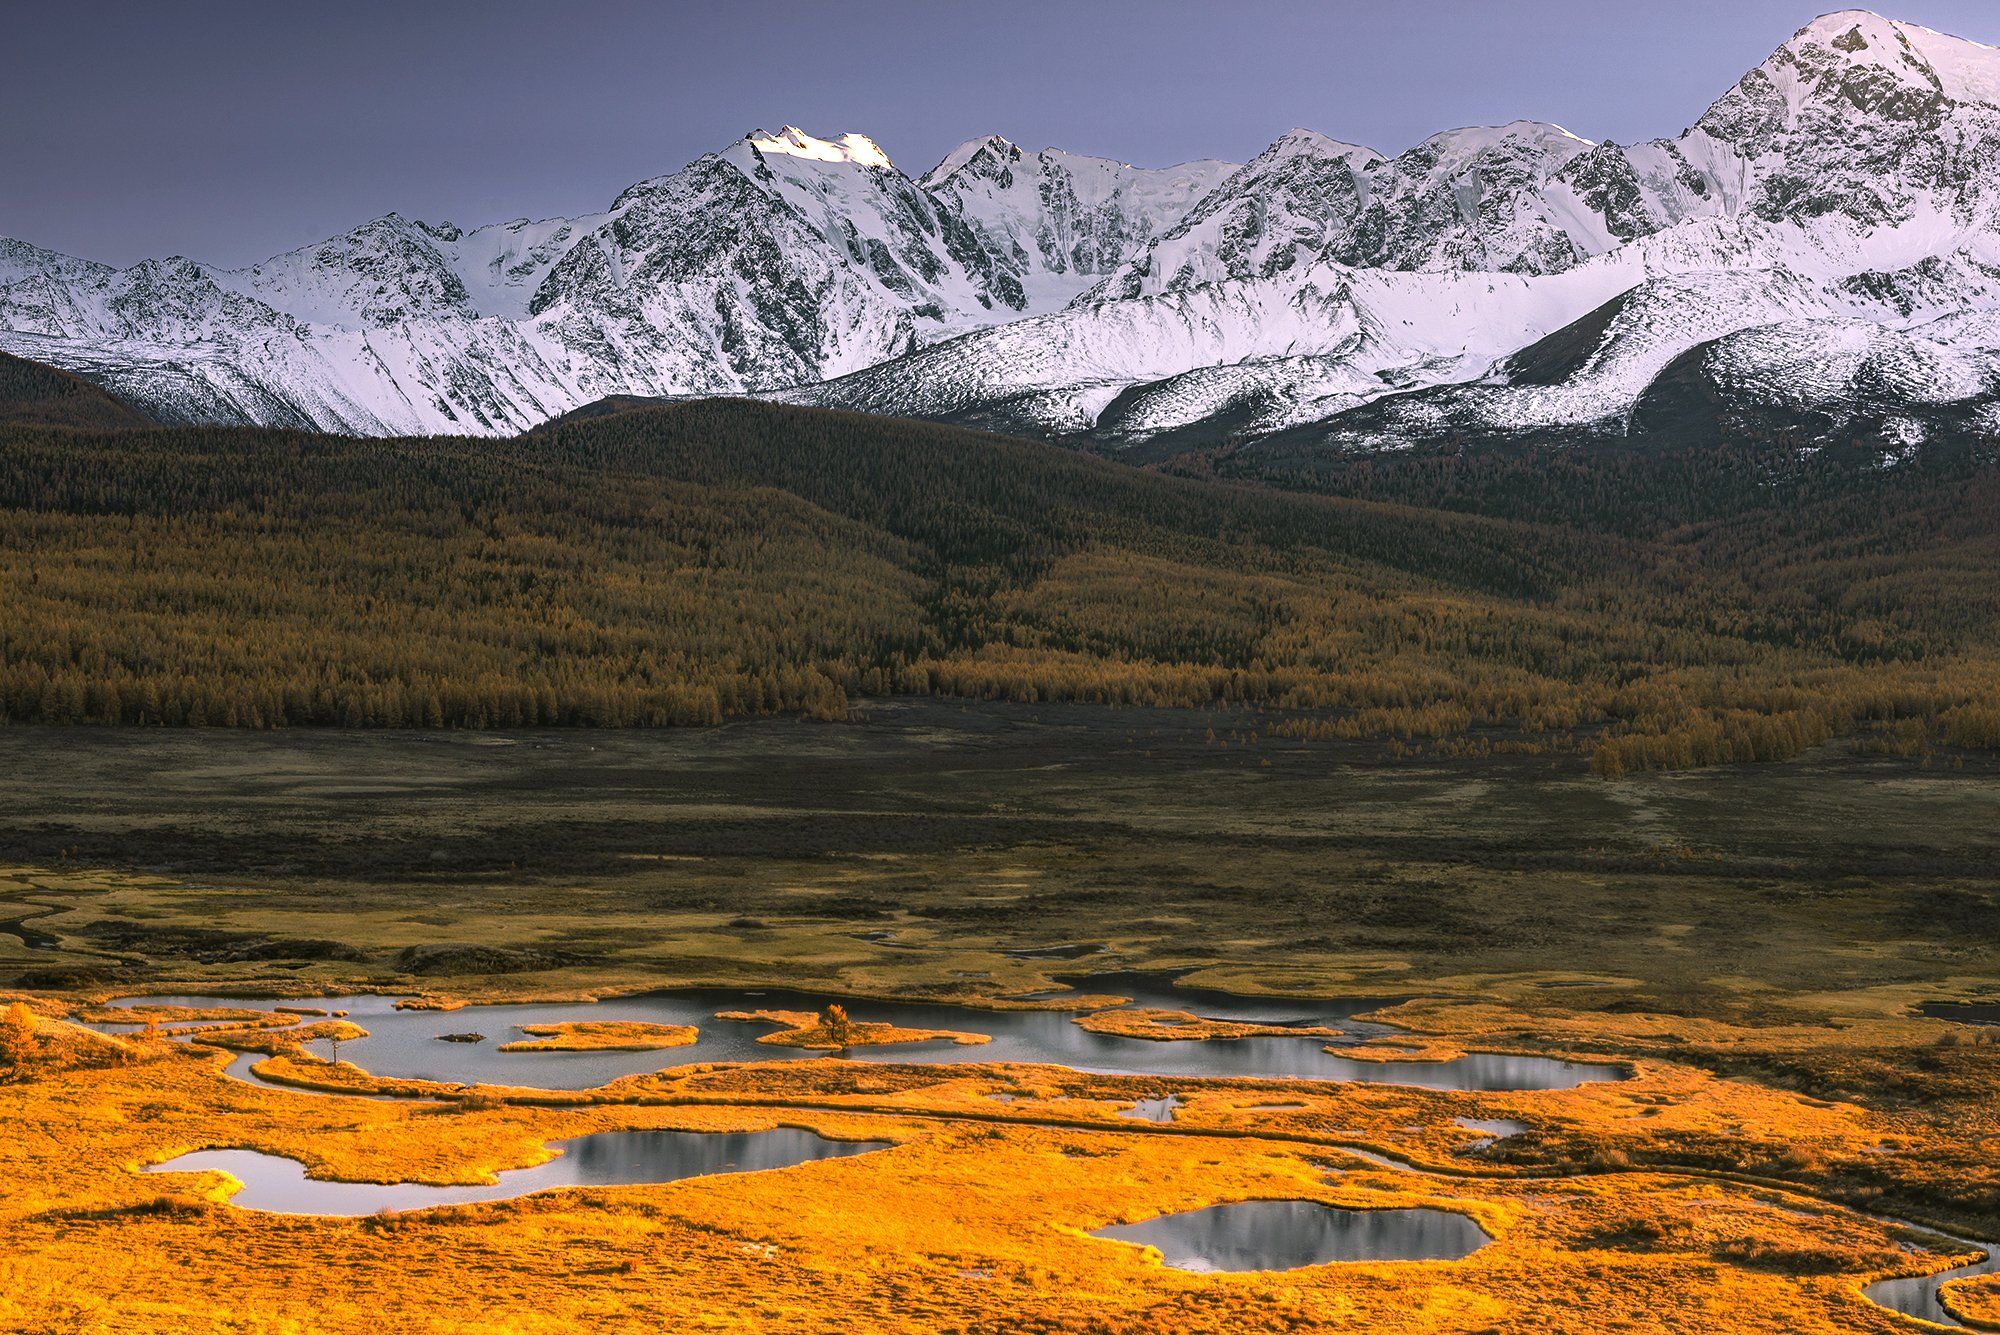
692,563
37,395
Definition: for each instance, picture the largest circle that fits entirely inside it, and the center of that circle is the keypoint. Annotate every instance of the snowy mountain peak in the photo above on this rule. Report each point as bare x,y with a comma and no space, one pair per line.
1856,118
1961,70
1840,25
1536,137
1855,63
793,142
1848,183
1311,143
987,152
172,269
1055,222
19,261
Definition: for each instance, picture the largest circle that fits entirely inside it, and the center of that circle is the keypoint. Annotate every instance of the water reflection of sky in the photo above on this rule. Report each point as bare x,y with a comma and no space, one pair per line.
406,1044
274,1183
1285,1235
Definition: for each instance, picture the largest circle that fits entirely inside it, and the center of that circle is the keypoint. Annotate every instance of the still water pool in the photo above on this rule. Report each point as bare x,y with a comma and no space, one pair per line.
1286,1235
406,1044
278,1185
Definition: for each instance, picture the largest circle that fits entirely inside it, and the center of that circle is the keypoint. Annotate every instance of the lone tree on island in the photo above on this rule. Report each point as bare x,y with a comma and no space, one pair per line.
838,1027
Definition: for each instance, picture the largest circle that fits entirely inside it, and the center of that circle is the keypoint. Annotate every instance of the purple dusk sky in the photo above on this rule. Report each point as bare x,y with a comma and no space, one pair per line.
229,131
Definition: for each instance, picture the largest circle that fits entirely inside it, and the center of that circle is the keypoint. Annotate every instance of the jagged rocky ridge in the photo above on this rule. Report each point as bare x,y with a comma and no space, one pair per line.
1820,247
779,261
1821,244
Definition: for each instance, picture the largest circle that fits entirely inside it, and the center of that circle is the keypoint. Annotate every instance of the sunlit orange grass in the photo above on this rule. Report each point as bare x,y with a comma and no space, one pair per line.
1976,1302
288,1037
968,1226
431,1003
1165,1025
177,1019
1411,1048
809,1029
34,1043
603,1036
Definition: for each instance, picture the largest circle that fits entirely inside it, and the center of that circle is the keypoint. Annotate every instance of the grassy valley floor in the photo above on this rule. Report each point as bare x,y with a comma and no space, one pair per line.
1751,941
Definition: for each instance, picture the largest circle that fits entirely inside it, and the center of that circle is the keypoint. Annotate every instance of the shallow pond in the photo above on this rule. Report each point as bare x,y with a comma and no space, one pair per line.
1963,1012
1285,1235
279,1185
1160,1110
1492,1130
406,1043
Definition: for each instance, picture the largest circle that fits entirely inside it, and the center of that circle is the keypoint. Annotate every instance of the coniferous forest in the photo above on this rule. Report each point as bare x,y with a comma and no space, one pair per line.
689,564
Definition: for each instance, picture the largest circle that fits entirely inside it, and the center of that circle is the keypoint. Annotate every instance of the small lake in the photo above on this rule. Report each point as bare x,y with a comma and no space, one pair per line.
1288,1235
406,1044
278,1185
1963,1012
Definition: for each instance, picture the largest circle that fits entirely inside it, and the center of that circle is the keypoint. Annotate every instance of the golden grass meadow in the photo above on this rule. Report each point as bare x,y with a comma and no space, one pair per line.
1785,1094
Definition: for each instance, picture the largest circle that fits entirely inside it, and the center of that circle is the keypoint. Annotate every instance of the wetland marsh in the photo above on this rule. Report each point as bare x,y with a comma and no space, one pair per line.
1760,973
404,1043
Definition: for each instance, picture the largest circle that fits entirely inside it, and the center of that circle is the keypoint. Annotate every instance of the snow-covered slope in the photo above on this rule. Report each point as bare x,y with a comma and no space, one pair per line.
1056,222
1849,182
20,261
1286,207
1827,234
781,260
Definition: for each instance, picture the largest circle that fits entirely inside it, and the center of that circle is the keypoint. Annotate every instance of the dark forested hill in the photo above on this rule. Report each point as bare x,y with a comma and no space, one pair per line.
687,563
36,394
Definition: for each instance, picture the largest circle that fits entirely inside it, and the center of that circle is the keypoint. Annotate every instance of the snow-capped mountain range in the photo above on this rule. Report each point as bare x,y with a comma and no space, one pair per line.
779,261
1825,240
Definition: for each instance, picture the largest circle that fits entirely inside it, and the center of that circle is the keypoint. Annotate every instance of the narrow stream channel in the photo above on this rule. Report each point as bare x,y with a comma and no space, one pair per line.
1918,1295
